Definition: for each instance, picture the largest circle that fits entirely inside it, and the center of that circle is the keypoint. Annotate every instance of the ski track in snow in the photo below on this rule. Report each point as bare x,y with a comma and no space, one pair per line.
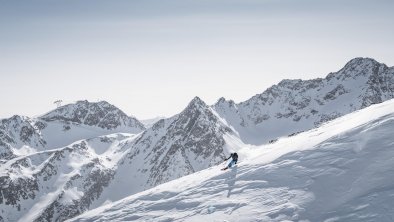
341,171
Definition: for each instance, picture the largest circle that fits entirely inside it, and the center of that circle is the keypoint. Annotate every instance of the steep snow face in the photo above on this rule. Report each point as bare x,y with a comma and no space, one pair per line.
58,184
194,140
341,171
293,106
191,141
43,177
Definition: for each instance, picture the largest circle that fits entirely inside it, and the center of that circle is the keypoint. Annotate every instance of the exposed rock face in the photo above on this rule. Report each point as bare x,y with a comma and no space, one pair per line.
20,130
186,143
52,177
189,142
172,148
294,105
63,126
112,155
100,114
34,168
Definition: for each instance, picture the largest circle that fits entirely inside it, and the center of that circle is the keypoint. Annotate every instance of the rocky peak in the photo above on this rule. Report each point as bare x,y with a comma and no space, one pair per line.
358,67
80,109
101,114
290,83
15,119
196,109
223,101
308,103
183,144
20,130
223,105
360,62
196,103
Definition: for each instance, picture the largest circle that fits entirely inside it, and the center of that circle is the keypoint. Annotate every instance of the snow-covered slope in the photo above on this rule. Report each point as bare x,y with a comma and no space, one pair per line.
293,106
148,123
63,126
83,155
70,152
85,119
341,171
17,132
186,143
61,183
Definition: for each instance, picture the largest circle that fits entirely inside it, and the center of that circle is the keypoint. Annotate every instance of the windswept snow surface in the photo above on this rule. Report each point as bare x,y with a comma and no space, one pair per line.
341,171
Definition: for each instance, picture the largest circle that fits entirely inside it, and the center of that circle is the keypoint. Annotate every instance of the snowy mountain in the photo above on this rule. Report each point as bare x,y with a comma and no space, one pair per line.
100,114
64,126
83,155
16,132
41,173
185,143
61,183
293,106
341,171
148,123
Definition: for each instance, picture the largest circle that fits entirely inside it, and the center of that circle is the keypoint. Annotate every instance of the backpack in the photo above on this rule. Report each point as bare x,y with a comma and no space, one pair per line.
235,156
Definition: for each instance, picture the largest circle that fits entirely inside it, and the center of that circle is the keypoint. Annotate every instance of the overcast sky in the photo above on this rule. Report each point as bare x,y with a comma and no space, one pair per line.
150,58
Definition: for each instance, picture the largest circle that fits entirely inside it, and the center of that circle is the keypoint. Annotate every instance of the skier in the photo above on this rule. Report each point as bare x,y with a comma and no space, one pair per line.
234,160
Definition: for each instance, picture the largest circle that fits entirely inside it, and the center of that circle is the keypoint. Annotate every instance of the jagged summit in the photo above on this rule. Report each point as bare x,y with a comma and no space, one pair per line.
101,114
296,105
185,143
222,100
361,61
13,120
338,172
358,67
63,126
81,108
19,131
196,102
111,159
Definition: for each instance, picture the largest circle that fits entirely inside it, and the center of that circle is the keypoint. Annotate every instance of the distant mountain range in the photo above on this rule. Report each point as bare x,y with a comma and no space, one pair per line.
292,106
81,155
340,171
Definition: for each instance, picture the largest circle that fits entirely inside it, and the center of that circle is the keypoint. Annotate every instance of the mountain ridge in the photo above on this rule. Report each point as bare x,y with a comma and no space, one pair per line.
337,172
101,114
304,104
132,160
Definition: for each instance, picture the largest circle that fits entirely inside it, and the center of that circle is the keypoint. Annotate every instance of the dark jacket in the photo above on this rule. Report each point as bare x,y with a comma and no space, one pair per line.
234,156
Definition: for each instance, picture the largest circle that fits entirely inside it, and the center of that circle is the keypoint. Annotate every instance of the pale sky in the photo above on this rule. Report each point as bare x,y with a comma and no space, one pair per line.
150,58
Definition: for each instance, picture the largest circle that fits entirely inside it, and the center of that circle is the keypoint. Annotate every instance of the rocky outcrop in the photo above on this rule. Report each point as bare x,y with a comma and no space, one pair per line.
304,104
100,114
61,182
